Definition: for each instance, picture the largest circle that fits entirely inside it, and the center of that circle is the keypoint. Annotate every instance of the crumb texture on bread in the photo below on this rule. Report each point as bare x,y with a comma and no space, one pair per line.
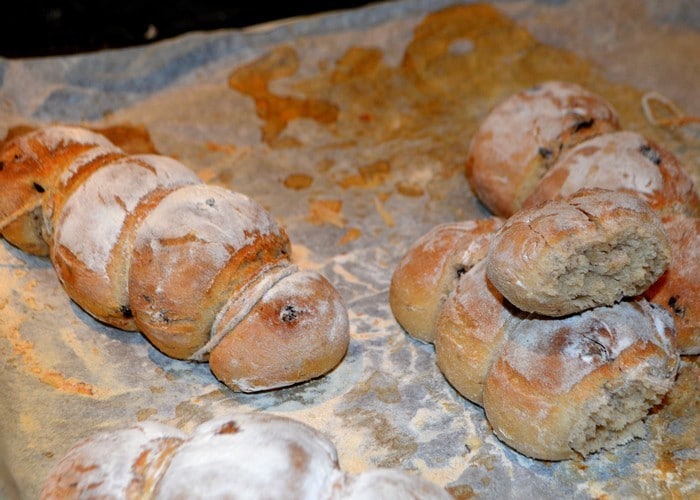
565,387
591,249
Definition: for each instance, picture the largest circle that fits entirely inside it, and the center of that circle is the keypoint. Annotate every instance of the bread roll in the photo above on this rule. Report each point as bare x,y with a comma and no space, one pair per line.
472,326
140,243
430,270
299,328
566,256
523,136
246,456
568,387
621,161
29,164
678,289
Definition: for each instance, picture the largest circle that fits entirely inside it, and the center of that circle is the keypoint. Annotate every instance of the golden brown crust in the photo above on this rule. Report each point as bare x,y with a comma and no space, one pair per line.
29,164
26,233
621,161
139,243
523,137
429,272
566,256
678,289
298,330
562,388
89,208
473,324
182,275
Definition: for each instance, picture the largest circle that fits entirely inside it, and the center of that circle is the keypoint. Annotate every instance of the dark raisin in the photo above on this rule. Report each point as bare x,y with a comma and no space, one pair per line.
147,298
677,308
289,314
2,166
210,202
545,153
39,187
229,428
650,154
17,156
126,311
583,124
461,270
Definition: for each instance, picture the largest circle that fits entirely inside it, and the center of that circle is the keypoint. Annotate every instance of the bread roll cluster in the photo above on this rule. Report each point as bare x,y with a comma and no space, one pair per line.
246,456
140,243
528,125
540,313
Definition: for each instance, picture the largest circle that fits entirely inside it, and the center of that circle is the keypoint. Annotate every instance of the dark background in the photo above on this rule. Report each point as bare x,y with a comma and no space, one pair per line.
46,28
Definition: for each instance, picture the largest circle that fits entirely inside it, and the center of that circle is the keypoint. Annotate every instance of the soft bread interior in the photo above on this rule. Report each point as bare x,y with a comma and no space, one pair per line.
607,271
617,415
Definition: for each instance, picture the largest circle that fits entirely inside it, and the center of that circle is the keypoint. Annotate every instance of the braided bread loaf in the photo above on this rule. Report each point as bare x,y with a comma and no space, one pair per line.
140,243
552,387
247,456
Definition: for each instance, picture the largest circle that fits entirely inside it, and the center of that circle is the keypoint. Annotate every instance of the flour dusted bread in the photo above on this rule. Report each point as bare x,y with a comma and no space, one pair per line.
29,164
297,329
473,324
621,161
244,455
591,249
523,136
93,265
140,243
431,268
678,289
566,387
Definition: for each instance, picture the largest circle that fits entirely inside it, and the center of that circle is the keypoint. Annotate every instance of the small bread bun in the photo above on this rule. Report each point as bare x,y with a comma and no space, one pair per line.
296,331
25,174
621,161
678,289
562,388
182,274
431,268
93,265
254,455
523,137
473,325
244,455
591,249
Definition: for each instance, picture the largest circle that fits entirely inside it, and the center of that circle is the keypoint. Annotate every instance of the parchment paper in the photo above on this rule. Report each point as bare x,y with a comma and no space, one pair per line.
352,129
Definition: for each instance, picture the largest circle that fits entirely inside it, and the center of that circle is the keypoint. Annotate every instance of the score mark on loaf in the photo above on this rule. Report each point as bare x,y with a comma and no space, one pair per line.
140,243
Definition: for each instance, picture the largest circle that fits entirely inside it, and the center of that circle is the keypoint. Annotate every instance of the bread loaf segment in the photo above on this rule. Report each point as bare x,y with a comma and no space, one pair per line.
678,289
298,330
621,161
29,164
566,256
91,215
244,455
114,464
566,387
523,136
474,323
431,269
183,274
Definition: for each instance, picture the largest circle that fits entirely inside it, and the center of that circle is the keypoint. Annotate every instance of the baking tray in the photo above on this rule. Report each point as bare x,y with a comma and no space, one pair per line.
355,141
